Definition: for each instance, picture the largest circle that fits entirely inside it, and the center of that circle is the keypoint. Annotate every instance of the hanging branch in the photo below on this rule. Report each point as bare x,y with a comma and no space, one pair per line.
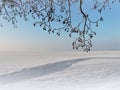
55,16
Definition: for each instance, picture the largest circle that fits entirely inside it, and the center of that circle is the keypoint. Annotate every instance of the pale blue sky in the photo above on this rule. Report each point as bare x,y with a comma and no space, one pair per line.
28,38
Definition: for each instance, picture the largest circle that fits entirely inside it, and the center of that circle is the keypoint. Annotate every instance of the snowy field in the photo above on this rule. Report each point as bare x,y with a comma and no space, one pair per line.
60,71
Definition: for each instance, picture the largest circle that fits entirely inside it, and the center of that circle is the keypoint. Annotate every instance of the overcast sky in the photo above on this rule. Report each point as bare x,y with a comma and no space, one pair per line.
28,38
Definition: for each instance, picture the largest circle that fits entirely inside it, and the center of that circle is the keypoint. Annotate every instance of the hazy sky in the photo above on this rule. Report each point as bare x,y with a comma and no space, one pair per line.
28,38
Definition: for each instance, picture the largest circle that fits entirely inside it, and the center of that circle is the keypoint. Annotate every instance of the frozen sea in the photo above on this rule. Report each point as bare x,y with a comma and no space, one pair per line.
96,70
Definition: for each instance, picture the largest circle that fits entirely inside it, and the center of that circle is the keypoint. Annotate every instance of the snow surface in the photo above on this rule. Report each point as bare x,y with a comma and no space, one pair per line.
62,71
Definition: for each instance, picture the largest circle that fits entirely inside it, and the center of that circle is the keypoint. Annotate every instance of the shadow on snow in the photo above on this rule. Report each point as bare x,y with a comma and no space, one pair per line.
43,70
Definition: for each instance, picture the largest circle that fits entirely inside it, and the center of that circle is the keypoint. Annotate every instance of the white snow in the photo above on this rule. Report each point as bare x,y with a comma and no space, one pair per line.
61,71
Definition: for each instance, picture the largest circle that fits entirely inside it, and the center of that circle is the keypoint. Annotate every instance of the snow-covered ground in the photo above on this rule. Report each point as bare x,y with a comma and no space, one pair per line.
60,71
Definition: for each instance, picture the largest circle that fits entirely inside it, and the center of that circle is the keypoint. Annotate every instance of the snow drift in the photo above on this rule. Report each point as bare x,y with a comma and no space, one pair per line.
92,72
